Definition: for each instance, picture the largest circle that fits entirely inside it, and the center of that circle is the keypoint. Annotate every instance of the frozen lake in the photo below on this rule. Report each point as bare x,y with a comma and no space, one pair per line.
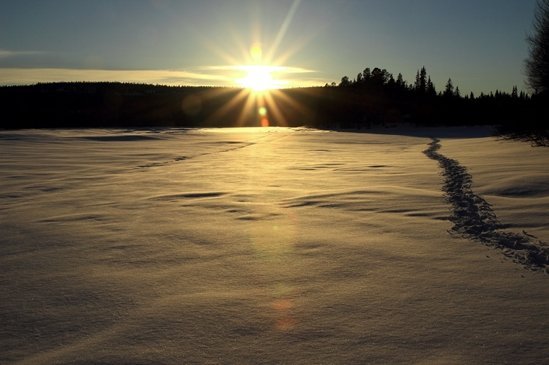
272,246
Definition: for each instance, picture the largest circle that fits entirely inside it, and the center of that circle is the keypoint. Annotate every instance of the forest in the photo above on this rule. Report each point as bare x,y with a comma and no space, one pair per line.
374,98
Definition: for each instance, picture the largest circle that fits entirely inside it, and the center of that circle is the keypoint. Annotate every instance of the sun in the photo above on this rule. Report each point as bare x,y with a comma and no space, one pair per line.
258,78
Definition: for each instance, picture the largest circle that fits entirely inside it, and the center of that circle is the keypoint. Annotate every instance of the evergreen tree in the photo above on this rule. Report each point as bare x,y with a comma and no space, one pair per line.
457,93
431,88
449,90
423,80
537,65
514,93
400,81
417,82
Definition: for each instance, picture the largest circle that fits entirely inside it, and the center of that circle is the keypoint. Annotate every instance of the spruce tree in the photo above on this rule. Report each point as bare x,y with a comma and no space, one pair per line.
423,80
400,81
431,88
449,90
514,93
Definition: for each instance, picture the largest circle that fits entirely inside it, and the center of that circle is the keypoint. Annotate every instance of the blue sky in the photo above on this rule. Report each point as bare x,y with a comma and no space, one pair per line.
480,44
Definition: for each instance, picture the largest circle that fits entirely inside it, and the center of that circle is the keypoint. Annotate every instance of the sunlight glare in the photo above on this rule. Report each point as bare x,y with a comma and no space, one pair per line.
258,78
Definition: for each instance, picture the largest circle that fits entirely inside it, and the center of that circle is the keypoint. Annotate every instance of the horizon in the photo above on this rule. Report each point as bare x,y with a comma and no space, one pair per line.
481,47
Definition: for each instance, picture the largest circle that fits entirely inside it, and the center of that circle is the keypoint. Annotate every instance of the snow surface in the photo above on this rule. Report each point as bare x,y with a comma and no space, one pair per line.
272,246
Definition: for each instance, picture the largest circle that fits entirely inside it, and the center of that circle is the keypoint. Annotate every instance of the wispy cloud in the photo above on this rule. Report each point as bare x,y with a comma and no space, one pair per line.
5,53
204,76
24,76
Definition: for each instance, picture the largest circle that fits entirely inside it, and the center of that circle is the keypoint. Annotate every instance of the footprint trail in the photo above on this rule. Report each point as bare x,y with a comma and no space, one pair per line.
474,218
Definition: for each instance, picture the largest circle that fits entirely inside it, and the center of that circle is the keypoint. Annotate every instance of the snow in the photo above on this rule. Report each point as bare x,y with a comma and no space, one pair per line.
270,246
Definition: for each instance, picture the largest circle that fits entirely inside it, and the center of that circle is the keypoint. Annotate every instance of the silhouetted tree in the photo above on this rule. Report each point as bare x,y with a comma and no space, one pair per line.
431,91
537,65
379,77
421,81
400,83
345,81
391,82
449,90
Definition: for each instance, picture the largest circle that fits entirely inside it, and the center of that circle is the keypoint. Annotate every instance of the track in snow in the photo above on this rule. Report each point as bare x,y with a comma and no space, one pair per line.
474,218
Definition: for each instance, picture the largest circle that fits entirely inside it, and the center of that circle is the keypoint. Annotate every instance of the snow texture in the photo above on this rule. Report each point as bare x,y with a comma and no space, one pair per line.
272,246
474,218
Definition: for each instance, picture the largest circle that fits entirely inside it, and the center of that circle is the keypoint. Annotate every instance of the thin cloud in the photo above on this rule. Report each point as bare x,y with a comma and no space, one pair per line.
25,76
212,76
5,53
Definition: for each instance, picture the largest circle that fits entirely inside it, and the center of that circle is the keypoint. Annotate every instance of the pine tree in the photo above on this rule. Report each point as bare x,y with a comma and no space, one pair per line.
449,90
431,88
423,80
400,81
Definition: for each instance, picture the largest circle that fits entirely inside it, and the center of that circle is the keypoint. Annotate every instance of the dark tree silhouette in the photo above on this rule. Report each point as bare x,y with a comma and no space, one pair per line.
537,65
421,81
400,83
431,91
345,81
449,90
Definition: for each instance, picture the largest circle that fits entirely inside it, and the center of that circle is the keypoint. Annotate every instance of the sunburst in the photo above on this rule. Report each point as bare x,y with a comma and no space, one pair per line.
260,78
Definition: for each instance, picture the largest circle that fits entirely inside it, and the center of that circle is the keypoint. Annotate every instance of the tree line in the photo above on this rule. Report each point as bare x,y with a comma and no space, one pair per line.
375,98
382,80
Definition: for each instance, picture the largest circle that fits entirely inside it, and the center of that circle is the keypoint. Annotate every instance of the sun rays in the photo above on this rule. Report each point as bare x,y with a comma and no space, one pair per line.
260,100
259,76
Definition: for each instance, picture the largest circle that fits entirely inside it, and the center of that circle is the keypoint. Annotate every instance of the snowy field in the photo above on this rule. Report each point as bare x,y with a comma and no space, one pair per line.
272,246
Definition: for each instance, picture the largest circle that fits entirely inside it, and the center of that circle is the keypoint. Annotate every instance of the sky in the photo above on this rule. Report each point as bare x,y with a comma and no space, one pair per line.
480,44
